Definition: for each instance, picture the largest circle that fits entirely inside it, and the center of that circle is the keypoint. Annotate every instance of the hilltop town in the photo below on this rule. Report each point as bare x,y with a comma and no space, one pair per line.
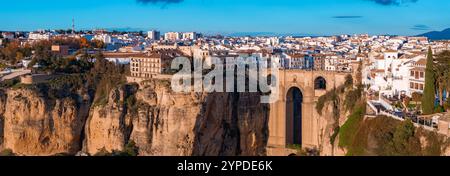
392,71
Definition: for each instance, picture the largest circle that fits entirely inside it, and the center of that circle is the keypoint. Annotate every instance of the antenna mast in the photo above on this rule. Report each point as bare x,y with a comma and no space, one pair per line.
73,25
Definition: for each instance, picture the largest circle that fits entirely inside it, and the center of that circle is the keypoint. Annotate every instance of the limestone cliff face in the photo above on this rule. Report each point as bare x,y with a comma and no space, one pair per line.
327,123
232,124
165,123
108,126
2,111
36,125
159,121
333,116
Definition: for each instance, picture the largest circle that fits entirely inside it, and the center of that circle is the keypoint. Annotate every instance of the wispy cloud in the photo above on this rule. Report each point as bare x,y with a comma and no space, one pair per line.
421,27
347,17
393,2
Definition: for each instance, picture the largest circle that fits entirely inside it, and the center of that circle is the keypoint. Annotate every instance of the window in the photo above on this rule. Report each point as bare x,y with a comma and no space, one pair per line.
320,83
411,85
412,73
421,86
422,74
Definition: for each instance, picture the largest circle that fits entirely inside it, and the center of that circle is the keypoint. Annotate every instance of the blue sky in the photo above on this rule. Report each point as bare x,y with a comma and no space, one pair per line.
318,17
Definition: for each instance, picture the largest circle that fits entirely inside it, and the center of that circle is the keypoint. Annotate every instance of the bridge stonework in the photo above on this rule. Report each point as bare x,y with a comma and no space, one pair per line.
311,120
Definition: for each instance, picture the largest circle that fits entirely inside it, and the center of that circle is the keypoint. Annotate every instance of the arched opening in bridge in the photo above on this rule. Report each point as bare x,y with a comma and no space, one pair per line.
320,83
294,101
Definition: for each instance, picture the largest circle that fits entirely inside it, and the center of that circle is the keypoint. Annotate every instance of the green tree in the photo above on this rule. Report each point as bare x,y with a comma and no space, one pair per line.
404,141
429,94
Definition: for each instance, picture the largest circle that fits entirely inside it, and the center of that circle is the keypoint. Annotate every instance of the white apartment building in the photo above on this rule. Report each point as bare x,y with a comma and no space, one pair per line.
417,76
172,36
39,36
392,75
105,38
189,36
331,62
154,35
273,41
8,35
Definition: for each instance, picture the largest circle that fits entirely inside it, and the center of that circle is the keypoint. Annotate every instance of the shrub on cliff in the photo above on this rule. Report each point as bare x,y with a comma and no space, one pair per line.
9,83
404,141
103,152
105,76
7,152
129,150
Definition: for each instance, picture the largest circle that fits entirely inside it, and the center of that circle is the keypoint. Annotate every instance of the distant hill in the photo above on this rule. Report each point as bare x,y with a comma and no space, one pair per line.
438,35
266,34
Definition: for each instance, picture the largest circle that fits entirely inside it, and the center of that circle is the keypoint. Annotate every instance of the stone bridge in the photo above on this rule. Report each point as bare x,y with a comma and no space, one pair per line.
293,118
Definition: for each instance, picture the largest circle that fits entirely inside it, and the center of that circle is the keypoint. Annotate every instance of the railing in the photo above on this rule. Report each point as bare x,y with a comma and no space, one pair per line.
416,124
390,114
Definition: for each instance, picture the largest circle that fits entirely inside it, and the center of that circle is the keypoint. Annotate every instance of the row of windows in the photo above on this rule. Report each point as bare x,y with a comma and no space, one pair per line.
146,60
416,86
146,65
153,70
417,74
141,75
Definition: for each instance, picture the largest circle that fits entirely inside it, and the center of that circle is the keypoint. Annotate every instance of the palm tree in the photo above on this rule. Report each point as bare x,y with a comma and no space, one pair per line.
441,74
442,70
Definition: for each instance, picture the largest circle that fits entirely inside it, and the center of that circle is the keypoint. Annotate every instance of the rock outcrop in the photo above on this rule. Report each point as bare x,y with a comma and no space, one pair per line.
108,126
34,124
232,124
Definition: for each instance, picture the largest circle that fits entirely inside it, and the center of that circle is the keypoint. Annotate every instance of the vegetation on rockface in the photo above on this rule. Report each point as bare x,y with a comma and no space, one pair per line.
351,96
72,76
347,131
9,83
106,76
429,92
7,152
129,150
302,151
384,136
333,98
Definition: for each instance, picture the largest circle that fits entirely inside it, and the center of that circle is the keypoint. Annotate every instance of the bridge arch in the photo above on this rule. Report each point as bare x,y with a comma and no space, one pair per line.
309,123
294,116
